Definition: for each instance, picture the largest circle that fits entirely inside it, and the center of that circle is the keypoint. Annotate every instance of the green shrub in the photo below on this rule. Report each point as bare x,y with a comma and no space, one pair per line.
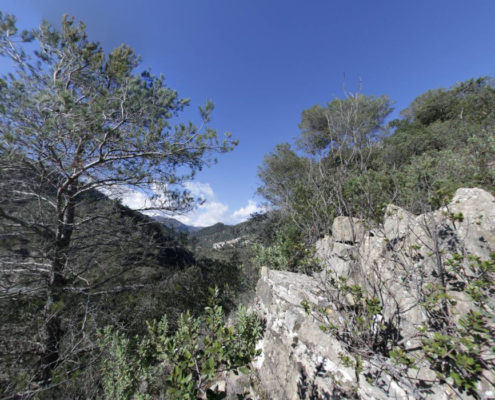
462,351
182,364
288,252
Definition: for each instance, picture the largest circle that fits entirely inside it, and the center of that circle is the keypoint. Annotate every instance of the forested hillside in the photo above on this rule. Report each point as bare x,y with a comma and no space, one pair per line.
175,224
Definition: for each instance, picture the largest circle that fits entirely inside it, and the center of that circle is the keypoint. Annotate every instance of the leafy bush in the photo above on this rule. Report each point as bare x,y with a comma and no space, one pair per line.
462,350
351,163
288,252
182,364
362,330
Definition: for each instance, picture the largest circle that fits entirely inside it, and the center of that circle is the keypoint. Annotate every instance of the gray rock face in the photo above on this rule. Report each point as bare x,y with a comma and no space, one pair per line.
397,222
299,360
477,228
396,262
347,230
296,353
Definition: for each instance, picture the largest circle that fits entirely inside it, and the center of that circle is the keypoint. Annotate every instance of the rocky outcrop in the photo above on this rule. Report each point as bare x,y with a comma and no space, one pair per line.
395,262
300,360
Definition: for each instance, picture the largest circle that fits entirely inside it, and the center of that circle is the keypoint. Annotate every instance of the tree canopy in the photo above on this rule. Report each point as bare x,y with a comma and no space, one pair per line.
81,115
353,163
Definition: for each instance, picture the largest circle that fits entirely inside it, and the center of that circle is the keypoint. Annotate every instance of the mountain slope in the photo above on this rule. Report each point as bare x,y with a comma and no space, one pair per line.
176,225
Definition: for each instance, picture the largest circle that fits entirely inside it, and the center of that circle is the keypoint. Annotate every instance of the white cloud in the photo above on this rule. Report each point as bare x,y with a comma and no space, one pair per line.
199,189
244,213
136,199
210,212
214,211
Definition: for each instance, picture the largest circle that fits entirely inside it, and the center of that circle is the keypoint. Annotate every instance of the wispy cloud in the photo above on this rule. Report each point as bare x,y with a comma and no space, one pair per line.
210,212
213,210
243,213
155,197
199,189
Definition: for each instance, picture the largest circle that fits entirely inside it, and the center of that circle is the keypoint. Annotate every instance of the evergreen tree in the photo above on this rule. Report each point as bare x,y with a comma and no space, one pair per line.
75,120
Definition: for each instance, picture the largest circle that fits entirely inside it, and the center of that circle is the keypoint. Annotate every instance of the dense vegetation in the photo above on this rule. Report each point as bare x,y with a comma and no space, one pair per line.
352,162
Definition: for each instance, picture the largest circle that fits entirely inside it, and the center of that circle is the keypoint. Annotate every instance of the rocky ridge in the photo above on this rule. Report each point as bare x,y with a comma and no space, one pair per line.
396,262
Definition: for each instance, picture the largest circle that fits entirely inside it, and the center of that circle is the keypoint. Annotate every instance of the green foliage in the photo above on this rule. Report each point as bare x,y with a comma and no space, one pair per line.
459,351
344,123
460,348
282,172
79,124
306,306
119,370
354,164
287,252
181,364
457,356
352,362
363,329
76,103
400,357
471,100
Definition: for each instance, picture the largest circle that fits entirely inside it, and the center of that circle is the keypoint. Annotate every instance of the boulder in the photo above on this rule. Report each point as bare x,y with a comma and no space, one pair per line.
299,360
335,257
324,248
473,213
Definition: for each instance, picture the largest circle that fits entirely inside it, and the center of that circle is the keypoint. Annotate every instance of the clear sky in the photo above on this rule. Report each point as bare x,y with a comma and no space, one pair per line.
262,62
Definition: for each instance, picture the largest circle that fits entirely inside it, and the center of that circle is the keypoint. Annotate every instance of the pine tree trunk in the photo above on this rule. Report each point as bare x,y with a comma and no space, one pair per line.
52,331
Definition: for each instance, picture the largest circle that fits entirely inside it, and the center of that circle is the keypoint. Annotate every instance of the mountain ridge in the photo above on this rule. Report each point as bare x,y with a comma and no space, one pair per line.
176,225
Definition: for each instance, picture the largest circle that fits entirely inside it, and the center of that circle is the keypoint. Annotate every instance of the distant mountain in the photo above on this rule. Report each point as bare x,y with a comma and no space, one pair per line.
219,232
176,225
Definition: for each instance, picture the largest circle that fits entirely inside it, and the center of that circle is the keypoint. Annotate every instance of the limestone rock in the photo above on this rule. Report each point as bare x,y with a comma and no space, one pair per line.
335,256
396,263
347,230
397,222
324,248
476,209
299,360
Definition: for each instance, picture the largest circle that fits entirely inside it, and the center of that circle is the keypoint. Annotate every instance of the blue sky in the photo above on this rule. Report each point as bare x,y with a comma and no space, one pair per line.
263,62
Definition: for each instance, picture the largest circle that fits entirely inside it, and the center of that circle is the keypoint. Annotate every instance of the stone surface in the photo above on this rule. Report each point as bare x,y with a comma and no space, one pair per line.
335,256
347,230
299,359
395,262
397,222
477,228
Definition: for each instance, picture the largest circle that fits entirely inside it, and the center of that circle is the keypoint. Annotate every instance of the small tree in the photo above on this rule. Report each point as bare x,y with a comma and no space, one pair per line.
345,128
75,120
336,176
